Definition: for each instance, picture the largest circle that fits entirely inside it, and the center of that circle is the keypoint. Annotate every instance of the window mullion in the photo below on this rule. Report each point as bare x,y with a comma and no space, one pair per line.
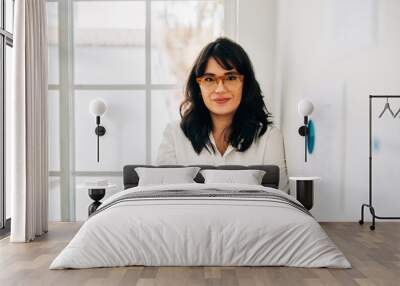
67,184
3,15
2,93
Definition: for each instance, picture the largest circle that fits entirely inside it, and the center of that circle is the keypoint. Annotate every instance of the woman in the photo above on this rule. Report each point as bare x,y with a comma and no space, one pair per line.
224,117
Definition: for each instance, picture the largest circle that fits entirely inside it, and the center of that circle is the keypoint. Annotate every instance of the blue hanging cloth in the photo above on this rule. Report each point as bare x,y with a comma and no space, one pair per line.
311,136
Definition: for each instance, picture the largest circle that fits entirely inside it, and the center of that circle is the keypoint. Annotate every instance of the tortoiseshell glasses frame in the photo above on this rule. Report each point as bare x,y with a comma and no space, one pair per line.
230,80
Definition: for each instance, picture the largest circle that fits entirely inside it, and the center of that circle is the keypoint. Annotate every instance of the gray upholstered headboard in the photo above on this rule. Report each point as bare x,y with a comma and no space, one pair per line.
270,179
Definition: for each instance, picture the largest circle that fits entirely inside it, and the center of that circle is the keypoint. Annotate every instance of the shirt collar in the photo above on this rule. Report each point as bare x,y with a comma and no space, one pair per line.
228,150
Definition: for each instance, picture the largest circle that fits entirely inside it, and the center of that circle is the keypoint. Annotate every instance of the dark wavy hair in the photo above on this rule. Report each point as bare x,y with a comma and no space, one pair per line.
250,120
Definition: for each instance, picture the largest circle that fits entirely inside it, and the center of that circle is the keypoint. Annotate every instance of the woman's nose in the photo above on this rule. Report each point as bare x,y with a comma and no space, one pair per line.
220,86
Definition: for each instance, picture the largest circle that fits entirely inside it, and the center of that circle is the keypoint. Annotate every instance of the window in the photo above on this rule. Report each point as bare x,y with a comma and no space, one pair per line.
135,55
6,43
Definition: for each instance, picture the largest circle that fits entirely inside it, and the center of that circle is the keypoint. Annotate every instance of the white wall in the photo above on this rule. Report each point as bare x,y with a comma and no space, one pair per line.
336,53
257,35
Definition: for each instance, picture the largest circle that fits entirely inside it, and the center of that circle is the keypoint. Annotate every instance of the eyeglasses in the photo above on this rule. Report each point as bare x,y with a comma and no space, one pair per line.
210,82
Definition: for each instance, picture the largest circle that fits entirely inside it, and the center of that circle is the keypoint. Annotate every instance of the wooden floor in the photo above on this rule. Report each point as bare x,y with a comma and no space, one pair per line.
374,255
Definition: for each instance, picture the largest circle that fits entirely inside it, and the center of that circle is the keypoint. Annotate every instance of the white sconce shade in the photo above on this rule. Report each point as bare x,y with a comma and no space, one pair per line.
305,107
97,107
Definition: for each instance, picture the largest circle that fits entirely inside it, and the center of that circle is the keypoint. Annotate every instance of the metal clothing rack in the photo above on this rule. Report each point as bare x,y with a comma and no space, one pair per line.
369,205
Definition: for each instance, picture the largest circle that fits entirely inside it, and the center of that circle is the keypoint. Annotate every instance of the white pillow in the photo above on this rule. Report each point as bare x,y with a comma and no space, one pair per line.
163,176
249,177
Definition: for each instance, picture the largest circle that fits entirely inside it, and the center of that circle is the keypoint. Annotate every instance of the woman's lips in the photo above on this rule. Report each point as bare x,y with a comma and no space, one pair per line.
221,100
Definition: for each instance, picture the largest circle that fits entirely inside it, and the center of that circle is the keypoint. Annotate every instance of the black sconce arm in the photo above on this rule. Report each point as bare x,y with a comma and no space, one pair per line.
100,131
303,131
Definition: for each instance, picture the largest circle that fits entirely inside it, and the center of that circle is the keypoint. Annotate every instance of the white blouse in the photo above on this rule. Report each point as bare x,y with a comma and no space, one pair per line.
176,148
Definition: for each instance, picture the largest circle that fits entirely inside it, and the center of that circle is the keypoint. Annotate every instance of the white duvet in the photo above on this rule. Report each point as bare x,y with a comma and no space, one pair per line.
199,231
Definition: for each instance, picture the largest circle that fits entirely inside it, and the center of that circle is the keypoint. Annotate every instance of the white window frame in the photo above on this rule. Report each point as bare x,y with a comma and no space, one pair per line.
67,88
6,39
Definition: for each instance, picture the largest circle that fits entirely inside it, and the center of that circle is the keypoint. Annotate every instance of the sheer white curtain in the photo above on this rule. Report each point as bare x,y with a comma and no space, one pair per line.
27,123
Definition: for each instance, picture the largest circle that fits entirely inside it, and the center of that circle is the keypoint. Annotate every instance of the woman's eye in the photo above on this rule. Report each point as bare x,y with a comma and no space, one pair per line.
231,77
209,79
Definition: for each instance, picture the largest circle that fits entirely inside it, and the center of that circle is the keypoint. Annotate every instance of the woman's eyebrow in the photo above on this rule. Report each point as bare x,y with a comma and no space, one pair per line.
228,72
231,72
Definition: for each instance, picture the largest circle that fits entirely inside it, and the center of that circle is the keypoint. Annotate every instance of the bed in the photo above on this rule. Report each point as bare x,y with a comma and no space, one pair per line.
198,224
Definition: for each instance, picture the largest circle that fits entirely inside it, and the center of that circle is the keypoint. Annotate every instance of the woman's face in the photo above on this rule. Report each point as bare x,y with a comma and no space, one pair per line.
222,97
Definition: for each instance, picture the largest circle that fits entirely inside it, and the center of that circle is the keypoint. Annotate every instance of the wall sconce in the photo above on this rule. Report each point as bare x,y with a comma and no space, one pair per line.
97,108
305,108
